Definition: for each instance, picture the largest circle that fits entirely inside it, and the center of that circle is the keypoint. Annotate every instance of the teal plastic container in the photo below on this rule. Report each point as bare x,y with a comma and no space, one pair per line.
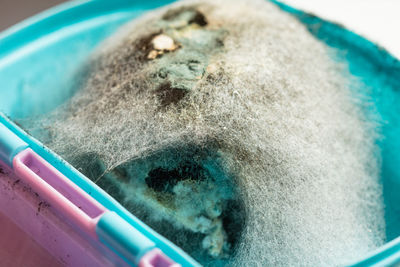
40,56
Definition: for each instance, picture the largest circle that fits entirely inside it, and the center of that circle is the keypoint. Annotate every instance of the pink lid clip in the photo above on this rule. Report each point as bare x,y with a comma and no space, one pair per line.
155,258
63,194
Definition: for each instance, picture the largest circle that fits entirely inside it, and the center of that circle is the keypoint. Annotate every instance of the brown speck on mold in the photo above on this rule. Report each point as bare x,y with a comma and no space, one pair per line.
16,182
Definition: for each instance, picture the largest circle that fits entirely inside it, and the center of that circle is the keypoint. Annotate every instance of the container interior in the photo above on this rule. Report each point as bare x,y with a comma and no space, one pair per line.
22,250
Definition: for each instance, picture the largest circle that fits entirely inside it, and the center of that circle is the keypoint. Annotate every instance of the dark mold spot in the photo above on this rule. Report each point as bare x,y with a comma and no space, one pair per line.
169,95
195,66
199,19
2,171
233,221
220,42
163,180
196,17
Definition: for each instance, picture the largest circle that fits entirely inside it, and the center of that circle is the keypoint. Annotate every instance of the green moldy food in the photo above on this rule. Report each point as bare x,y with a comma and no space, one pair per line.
228,128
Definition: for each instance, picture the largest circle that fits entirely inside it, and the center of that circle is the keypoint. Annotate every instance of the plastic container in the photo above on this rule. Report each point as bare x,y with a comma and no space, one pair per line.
63,219
39,57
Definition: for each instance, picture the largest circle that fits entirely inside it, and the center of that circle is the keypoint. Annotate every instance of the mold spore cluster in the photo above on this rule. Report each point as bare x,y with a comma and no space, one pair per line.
229,129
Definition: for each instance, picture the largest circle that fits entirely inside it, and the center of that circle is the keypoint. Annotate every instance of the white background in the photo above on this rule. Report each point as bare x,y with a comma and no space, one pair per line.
378,20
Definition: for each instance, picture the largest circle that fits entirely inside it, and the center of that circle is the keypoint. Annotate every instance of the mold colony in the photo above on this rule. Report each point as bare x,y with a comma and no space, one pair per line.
230,130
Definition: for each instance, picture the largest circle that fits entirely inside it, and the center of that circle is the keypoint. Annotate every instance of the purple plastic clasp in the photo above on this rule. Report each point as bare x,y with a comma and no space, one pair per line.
155,258
78,206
